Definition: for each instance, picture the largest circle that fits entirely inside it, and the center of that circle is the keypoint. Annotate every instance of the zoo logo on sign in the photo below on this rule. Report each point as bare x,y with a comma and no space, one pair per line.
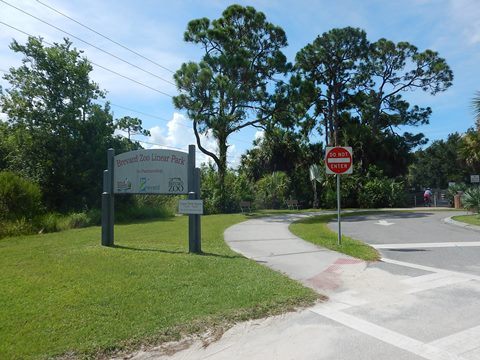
175,185
124,185
143,185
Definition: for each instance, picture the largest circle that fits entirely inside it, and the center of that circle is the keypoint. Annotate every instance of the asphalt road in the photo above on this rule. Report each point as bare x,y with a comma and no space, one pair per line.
421,237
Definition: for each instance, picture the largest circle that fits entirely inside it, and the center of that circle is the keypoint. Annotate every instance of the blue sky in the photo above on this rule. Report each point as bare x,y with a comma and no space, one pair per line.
155,30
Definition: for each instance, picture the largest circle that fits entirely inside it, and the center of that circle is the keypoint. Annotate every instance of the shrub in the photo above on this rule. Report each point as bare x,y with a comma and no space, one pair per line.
237,188
272,190
53,222
454,190
381,192
471,199
74,221
48,223
16,227
329,198
142,207
19,198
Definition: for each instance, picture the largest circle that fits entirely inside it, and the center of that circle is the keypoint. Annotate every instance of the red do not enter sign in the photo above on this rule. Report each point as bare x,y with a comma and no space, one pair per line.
338,160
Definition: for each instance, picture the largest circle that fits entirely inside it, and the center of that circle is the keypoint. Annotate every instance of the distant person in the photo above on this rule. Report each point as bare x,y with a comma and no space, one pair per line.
427,197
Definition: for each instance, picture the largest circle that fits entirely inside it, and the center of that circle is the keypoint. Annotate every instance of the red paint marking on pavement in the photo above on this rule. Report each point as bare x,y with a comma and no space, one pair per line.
330,278
345,261
325,281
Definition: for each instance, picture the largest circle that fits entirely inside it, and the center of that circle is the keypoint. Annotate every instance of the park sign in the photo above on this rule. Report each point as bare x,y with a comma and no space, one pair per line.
338,160
151,171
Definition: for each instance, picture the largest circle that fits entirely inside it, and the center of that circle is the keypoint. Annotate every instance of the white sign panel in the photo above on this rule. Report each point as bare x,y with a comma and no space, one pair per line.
151,171
190,207
475,179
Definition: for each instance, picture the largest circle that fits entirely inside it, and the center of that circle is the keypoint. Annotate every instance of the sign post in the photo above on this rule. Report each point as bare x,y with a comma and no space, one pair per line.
338,161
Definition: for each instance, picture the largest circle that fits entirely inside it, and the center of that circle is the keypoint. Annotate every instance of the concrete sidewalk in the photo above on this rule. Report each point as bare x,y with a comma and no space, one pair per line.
268,241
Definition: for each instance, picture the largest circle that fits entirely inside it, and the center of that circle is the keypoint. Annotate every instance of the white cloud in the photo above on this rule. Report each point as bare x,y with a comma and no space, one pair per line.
177,135
259,135
467,16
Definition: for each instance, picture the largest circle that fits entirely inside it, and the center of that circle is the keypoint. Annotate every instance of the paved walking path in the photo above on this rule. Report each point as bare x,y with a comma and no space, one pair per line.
268,241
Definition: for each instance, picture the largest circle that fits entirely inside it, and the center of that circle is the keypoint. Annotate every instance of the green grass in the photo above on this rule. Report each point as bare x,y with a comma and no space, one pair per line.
315,230
63,293
469,219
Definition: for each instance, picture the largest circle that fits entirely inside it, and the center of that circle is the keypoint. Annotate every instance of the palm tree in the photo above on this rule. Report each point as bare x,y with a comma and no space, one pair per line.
471,199
476,108
469,150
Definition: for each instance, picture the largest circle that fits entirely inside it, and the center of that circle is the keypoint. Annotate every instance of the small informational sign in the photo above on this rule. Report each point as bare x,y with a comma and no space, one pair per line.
150,171
338,160
192,207
475,179
451,183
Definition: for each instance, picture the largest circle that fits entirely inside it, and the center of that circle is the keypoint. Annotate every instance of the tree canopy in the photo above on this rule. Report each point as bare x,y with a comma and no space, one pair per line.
56,135
229,89
358,88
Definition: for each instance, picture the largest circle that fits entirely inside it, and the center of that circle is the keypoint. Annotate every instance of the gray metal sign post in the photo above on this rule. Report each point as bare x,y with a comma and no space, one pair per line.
198,226
194,227
108,207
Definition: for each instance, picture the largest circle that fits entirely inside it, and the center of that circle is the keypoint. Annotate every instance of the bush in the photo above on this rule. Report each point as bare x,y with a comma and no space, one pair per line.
272,190
19,198
471,199
16,227
53,222
237,188
381,192
48,223
74,221
454,190
142,207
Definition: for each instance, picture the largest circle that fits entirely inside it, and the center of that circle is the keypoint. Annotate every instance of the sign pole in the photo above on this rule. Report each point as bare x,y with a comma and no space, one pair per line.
111,197
191,227
338,160
198,223
108,208
193,194
338,212
105,210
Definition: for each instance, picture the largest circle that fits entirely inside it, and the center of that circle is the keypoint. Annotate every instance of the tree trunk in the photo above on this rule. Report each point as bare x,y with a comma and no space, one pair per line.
315,197
335,115
222,170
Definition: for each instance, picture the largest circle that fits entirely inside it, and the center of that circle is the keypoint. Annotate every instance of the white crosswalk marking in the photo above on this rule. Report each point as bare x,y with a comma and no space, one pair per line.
414,346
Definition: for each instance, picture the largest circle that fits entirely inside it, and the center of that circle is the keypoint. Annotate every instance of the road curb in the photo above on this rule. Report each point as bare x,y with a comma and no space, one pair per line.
450,221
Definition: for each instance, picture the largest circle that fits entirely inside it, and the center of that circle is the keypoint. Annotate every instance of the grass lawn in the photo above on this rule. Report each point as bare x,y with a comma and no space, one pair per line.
315,230
469,219
63,293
